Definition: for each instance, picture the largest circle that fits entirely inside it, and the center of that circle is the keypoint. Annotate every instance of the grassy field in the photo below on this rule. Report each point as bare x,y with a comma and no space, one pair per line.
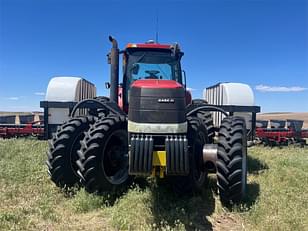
277,197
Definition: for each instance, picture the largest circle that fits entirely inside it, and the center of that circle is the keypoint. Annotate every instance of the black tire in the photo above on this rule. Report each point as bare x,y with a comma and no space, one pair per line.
100,112
194,181
207,119
62,153
205,116
231,161
103,157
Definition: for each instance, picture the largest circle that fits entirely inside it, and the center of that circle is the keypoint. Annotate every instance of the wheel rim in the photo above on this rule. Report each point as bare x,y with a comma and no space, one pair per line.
115,158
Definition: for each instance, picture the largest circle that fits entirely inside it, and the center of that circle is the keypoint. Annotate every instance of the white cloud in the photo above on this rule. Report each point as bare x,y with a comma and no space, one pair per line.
39,93
13,98
190,89
265,88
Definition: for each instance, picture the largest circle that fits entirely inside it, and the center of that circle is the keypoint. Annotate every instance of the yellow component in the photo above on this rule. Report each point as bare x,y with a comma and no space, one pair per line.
159,158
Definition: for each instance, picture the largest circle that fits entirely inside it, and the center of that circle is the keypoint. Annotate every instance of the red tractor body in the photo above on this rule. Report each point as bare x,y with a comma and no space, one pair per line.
149,126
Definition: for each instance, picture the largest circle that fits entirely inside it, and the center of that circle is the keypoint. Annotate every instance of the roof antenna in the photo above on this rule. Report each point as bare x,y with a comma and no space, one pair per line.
156,26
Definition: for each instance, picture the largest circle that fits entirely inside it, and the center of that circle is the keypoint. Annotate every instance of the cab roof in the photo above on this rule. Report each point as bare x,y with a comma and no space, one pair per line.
149,45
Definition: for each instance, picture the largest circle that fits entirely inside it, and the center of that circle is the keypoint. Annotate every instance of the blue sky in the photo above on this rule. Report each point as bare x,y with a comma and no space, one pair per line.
263,43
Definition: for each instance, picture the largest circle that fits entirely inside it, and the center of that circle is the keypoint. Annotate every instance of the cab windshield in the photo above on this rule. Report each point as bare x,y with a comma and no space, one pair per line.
152,65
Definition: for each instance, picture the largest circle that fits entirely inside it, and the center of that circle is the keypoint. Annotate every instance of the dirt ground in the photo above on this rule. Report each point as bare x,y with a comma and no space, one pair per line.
284,116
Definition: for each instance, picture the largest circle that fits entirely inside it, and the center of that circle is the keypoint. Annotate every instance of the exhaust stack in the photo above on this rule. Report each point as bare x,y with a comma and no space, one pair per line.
114,70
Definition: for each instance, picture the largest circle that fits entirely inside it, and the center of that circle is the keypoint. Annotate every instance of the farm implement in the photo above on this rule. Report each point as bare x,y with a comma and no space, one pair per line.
21,130
281,132
26,126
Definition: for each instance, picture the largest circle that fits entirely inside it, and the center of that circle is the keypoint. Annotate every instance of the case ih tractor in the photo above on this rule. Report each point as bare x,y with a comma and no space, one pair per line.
149,126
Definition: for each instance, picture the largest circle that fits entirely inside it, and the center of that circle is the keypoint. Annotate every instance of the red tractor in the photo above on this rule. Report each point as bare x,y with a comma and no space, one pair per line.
149,126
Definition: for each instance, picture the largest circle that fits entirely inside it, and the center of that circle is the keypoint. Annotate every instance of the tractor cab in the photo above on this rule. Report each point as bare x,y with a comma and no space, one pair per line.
151,61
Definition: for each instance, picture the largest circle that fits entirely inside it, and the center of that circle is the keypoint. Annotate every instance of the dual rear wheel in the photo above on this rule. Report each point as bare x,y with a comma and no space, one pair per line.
91,152
231,163
103,157
62,152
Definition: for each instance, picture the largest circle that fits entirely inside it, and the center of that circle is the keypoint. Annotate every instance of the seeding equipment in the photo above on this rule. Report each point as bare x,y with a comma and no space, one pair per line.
149,126
26,127
278,135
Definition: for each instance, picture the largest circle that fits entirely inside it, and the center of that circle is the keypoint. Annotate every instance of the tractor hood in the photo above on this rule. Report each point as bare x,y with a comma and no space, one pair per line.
157,101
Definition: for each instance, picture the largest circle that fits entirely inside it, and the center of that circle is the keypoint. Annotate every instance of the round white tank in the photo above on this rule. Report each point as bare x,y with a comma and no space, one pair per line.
237,94
62,89
66,89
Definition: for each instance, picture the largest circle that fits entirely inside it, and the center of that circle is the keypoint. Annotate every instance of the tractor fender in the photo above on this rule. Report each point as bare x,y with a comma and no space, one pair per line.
110,106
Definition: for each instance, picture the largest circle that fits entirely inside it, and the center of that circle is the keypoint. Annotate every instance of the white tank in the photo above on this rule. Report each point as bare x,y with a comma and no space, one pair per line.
67,89
237,94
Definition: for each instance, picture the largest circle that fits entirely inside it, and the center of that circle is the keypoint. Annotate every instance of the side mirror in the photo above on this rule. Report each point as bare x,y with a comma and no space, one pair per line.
107,85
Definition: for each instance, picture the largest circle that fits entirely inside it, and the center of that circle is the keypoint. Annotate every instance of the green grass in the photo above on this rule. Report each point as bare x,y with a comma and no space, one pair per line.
277,197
